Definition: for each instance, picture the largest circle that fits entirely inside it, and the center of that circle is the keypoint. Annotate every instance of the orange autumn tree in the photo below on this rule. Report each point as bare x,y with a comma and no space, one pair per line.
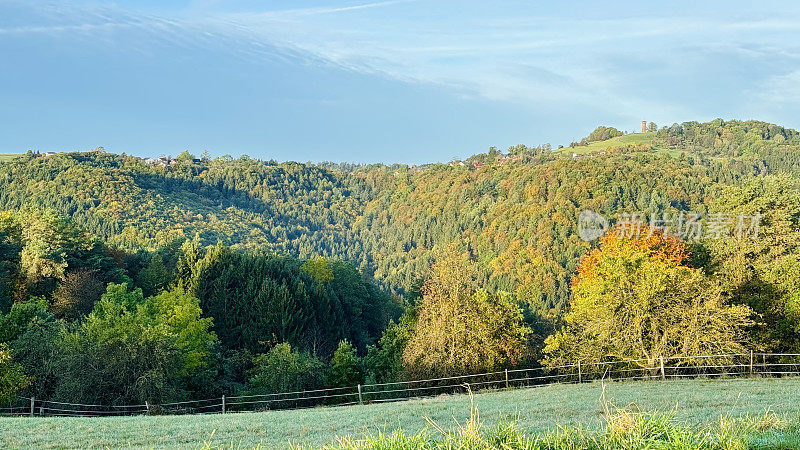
638,299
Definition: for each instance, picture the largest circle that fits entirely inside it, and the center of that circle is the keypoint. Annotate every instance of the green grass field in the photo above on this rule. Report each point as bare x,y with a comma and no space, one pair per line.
693,402
8,156
619,141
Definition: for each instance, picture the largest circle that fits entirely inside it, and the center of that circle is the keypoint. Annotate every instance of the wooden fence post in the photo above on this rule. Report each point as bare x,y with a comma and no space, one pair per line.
648,370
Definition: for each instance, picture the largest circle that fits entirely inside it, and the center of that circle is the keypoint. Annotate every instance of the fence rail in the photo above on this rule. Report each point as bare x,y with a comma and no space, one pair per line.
729,365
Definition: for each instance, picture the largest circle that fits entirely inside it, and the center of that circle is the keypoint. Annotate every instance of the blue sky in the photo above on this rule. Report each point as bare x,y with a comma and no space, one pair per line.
381,81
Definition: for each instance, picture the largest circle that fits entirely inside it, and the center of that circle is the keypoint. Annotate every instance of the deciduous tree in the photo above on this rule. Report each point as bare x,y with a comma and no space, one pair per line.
636,299
12,379
285,370
462,329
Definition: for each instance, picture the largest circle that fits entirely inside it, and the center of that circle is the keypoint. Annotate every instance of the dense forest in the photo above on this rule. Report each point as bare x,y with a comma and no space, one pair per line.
125,280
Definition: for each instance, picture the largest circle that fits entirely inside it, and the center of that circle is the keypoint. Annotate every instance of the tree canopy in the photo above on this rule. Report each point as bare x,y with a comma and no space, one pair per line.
462,329
636,299
197,277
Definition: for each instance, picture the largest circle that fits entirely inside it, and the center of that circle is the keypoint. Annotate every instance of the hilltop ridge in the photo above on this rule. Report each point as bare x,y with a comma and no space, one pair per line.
515,211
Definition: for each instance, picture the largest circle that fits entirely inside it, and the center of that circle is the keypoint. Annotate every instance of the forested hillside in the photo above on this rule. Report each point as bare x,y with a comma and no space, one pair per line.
131,280
514,212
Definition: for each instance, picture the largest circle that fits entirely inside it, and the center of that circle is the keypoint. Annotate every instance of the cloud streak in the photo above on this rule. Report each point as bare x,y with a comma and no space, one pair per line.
488,58
611,63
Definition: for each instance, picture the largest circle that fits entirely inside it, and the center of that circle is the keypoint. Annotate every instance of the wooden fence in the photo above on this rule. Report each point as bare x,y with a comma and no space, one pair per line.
711,366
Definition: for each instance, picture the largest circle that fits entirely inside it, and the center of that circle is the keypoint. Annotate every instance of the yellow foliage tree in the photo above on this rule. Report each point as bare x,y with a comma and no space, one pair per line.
462,329
636,299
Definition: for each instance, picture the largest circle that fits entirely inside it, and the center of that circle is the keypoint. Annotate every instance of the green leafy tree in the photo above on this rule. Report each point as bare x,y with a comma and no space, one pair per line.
384,361
759,258
319,269
179,312
14,323
48,243
192,260
602,133
39,351
40,249
185,156
10,248
135,349
284,370
12,378
345,368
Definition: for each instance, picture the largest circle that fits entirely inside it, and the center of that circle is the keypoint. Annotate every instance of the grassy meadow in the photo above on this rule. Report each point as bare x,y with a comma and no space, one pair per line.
619,141
693,403
8,156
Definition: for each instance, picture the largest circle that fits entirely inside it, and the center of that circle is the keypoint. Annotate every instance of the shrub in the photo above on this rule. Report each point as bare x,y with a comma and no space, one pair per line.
284,370
345,368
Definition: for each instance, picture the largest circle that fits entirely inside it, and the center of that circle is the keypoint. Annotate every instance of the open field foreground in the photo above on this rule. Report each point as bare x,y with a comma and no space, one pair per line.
693,402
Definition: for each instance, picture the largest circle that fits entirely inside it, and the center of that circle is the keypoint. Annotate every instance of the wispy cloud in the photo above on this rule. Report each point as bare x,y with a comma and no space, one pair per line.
546,60
315,11
491,58
780,89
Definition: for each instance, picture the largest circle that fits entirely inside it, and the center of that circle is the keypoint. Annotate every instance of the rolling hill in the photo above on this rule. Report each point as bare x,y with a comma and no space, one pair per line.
515,212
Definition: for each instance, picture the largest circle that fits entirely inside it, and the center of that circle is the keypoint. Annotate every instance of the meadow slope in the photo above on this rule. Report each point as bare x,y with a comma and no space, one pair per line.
694,402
